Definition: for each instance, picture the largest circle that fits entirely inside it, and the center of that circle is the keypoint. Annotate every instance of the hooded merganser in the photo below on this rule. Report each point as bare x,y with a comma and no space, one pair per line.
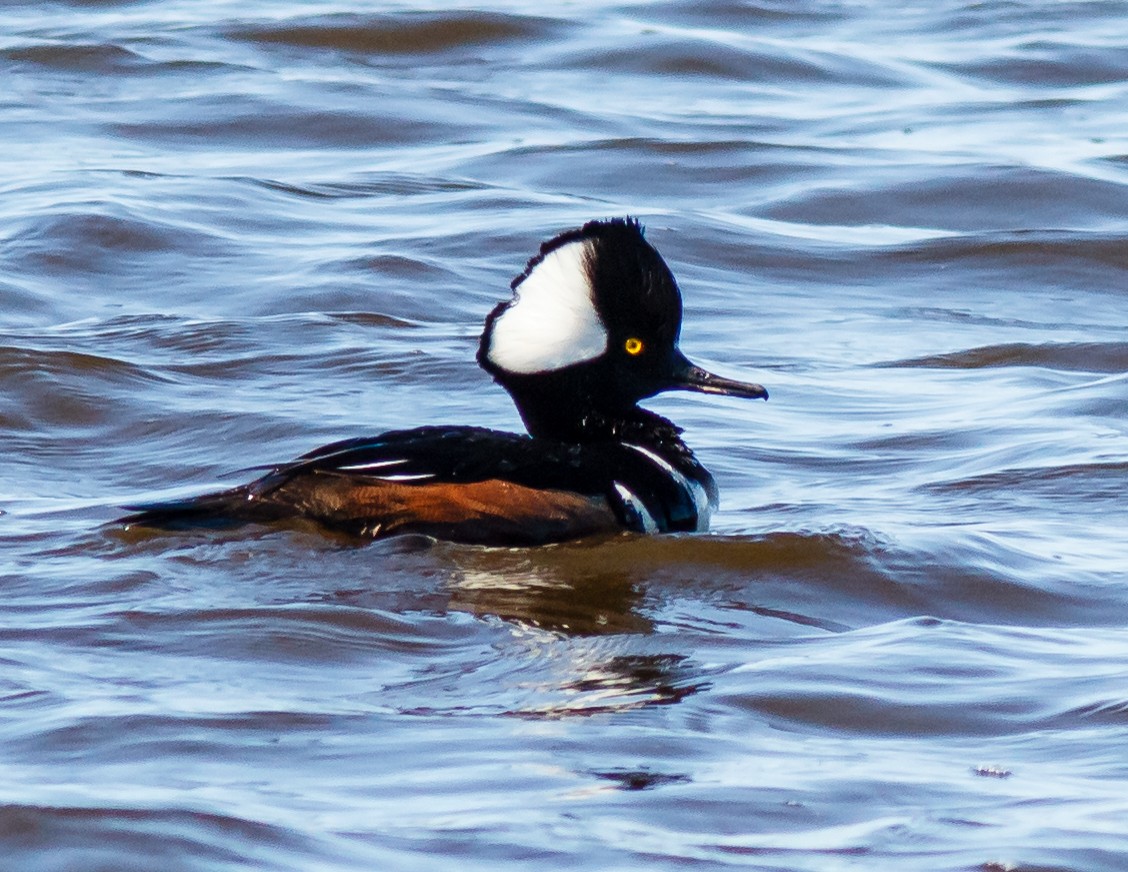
592,328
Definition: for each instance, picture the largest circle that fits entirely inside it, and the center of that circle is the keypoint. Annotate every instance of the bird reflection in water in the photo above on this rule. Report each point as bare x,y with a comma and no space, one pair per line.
539,594
571,592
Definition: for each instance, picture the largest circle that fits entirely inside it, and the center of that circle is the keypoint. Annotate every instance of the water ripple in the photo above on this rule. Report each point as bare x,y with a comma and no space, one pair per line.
415,34
1109,357
233,231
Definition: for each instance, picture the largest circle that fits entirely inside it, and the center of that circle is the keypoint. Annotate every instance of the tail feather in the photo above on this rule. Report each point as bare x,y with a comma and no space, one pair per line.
214,511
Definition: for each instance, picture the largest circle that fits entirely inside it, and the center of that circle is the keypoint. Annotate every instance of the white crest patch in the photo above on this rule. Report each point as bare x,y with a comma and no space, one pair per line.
552,323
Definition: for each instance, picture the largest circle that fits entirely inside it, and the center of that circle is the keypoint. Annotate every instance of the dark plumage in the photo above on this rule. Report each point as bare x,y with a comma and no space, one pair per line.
594,462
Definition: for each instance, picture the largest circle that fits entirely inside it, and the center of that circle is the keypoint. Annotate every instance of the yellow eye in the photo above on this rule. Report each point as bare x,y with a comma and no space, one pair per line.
633,346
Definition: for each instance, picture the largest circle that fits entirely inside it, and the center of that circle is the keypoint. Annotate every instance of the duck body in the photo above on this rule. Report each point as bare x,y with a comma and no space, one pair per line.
465,484
591,329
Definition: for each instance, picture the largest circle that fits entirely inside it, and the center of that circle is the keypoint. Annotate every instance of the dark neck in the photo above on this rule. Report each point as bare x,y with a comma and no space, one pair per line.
636,426
561,407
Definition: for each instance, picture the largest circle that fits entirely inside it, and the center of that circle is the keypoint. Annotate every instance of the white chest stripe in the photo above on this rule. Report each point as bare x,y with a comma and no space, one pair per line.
552,323
632,502
695,489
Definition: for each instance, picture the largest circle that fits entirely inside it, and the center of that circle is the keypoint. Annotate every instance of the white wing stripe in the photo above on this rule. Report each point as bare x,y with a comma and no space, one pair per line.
376,464
385,464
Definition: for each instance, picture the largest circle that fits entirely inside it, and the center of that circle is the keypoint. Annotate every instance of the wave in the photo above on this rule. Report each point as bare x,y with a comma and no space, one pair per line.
426,33
127,836
98,240
1095,357
1045,250
77,57
928,677
967,198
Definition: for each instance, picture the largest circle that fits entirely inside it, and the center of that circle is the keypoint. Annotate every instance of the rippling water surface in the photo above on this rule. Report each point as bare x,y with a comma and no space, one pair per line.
231,232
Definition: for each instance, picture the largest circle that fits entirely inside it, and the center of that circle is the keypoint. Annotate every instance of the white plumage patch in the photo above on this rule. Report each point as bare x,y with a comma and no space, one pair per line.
636,506
700,498
384,464
552,323
376,464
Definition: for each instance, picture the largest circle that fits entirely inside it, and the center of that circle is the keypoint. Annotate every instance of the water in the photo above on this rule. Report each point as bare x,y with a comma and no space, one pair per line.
231,232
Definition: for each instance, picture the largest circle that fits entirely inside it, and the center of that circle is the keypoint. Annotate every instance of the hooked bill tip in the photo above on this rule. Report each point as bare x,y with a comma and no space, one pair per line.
694,378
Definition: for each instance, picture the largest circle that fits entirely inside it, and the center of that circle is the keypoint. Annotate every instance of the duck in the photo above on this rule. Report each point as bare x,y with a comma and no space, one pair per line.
590,330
